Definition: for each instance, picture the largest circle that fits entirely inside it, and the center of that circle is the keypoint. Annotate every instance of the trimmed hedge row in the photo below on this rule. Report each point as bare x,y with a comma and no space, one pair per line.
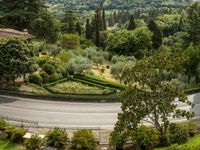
91,83
63,97
107,81
104,83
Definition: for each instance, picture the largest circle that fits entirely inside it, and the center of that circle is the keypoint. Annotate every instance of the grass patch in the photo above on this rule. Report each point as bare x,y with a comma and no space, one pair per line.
192,142
7,145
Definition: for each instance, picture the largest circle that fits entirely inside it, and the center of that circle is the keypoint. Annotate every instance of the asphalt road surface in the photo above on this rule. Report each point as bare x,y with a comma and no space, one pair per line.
70,114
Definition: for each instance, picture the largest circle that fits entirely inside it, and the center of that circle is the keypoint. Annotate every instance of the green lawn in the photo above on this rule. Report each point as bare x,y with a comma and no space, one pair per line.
192,142
6,145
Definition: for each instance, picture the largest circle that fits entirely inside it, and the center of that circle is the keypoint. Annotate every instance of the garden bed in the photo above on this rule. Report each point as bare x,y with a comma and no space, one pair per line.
72,87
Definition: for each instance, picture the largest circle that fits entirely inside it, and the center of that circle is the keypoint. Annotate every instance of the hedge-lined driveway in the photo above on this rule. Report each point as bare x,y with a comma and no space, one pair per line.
70,114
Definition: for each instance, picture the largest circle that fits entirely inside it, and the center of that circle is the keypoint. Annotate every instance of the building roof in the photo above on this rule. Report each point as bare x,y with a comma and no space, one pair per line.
7,32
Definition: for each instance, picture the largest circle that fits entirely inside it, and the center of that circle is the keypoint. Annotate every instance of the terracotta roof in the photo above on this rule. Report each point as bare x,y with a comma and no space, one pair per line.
7,32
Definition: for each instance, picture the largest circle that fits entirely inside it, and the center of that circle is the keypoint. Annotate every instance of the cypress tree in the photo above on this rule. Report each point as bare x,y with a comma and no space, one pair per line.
88,30
157,35
78,28
97,27
132,24
104,20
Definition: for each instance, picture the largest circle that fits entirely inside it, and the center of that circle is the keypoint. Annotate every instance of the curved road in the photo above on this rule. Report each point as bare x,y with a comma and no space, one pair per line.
70,114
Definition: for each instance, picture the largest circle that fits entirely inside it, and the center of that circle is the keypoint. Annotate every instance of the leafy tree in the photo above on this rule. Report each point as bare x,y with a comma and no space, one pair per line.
79,65
132,24
157,35
15,58
84,139
194,22
57,138
46,27
19,14
124,42
118,67
150,95
192,54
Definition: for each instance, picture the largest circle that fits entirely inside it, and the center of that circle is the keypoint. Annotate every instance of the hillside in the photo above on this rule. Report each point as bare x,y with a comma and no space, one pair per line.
118,4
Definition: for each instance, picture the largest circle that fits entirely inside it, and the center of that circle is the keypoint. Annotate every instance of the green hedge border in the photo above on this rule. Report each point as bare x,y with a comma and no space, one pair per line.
65,97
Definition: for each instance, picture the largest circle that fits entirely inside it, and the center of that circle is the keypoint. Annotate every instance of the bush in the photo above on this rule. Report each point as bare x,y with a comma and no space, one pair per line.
145,137
55,77
118,139
9,130
178,134
34,143
3,125
35,78
191,128
84,140
17,135
49,69
45,77
57,138
70,41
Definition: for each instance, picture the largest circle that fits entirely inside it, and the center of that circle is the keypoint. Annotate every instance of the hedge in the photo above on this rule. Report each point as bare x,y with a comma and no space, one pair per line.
101,82
65,97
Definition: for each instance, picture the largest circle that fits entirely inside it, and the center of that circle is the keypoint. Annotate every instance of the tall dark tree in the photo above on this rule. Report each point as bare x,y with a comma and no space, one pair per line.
78,28
98,27
132,24
19,14
88,30
157,35
104,19
194,22
68,23
46,27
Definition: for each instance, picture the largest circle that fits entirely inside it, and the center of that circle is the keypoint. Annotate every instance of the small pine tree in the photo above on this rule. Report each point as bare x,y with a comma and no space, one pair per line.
157,35
132,24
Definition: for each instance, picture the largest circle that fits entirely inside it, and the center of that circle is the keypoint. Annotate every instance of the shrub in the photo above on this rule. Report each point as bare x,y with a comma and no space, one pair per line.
84,140
49,69
3,124
35,78
9,129
144,137
34,143
45,77
191,128
118,139
17,135
70,41
55,77
178,134
57,138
